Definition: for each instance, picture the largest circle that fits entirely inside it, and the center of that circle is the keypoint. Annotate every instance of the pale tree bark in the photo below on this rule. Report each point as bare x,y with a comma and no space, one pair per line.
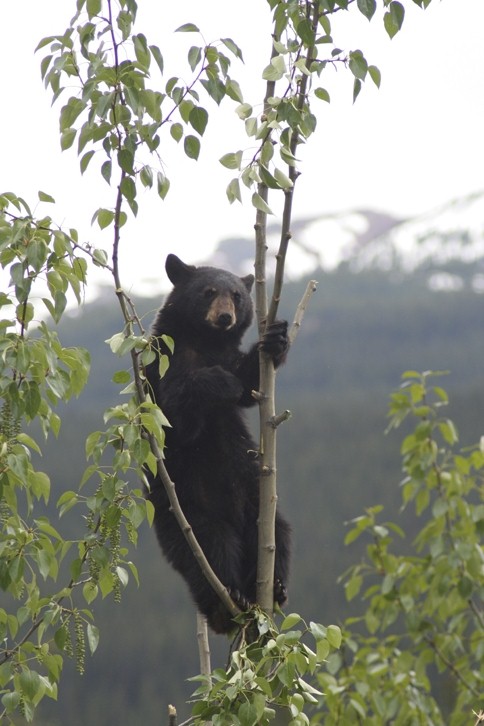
268,420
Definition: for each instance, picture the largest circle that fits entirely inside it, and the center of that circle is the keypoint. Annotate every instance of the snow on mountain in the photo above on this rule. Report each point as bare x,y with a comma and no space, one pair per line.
452,232
368,239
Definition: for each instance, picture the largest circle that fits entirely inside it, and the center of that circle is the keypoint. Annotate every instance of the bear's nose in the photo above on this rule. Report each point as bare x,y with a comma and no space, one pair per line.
224,320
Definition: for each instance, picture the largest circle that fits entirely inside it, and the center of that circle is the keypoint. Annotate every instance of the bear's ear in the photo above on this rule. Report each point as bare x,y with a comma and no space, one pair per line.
178,271
248,281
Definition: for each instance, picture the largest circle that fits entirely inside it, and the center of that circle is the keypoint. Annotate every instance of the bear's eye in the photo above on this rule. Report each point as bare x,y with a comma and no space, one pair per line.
209,293
236,297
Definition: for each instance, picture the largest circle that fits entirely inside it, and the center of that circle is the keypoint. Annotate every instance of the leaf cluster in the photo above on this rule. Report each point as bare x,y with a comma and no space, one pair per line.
43,621
267,675
118,110
425,608
303,49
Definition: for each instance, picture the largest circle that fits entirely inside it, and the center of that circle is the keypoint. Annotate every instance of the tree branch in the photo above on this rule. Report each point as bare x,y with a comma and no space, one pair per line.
301,309
267,414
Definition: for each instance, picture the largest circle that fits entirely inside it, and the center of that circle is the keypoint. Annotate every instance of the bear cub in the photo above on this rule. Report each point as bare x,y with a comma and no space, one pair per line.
209,453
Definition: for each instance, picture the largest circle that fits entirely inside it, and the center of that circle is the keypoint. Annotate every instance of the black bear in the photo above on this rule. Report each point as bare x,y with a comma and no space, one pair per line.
209,453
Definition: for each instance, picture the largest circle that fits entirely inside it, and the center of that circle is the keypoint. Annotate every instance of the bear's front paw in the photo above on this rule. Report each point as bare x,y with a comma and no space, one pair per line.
280,592
275,342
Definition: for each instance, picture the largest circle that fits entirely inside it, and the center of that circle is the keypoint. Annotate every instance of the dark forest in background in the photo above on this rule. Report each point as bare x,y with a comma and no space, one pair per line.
360,333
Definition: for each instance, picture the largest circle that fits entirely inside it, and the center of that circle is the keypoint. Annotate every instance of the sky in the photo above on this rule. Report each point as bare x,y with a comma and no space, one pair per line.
406,148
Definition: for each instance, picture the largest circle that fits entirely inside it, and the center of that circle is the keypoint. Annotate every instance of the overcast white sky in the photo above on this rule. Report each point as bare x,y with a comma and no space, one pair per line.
412,145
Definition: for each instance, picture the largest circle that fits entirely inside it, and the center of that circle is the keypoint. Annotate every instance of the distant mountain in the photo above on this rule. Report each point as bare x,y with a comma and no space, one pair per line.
367,239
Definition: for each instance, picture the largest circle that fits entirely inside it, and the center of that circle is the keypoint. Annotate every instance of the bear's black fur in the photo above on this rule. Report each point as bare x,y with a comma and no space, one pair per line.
209,453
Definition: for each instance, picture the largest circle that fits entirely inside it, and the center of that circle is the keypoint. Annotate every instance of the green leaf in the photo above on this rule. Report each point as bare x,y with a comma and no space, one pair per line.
198,118
176,131
215,88
251,126
232,160
322,650
121,377
359,708
66,501
393,19
163,365
287,156
93,7
163,185
283,181
305,31
143,55
367,7
106,170
449,431
267,178
10,701
156,53
92,637
260,204
233,47
85,161
244,111
333,634
150,512
275,70
465,587
318,631
356,89
30,683
192,147
290,621
152,101
194,56
126,160
67,138
353,586
100,257
375,75
27,440
146,176
90,592
247,714
128,190
43,197
185,108
187,28
24,313
267,152
105,217
234,91
233,191
322,94
358,65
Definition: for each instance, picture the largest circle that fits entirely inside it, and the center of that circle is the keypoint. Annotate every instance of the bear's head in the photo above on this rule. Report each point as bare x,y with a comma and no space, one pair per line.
209,298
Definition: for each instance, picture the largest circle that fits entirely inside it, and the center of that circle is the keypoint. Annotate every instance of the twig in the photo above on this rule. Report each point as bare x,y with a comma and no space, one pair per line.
301,309
203,646
451,667
172,717
280,418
